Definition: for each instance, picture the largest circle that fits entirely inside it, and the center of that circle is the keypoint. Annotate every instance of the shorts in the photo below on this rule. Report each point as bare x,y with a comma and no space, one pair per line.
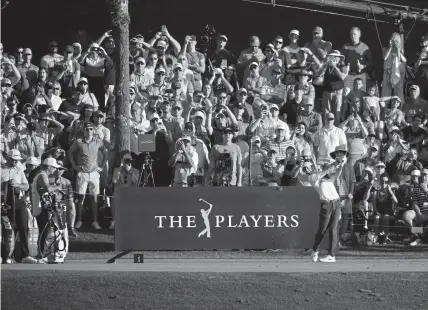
91,181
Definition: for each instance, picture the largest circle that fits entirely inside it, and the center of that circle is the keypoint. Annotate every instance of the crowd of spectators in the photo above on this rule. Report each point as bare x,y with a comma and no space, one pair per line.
218,119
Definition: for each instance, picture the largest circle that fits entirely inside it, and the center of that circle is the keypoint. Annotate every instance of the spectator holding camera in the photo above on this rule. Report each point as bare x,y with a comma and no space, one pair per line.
225,162
52,58
219,84
67,71
404,165
184,161
302,139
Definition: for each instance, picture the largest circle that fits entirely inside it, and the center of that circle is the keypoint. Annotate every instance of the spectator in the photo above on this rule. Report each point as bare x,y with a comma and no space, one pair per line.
288,55
419,213
220,57
159,85
88,97
10,72
219,84
225,162
414,134
281,142
359,58
421,67
414,104
318,46
28,71
302,139
186,83
312,119
82,155
19,55
353,96
306,60
140,78
77,128
195,59
368,161
67,71
124,176
25,142
232,78
393,115
258,158
356,134
405,165
254,81
327,138
395,145
262,125
304,77
278,43
51,58
49,129
184,161
253,54
274,91
394,68
269,63
362,194
335,72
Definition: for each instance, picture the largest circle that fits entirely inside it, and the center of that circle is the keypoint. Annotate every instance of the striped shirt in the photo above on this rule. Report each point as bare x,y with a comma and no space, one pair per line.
420,197
279,147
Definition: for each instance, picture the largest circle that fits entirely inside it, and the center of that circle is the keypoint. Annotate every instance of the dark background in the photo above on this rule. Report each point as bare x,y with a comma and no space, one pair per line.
33,23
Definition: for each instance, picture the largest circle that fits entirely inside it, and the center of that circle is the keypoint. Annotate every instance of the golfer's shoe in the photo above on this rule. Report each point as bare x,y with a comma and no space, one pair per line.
314,256
328,259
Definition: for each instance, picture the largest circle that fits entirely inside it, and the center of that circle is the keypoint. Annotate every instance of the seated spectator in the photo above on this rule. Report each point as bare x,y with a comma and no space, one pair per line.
254,80
414,134
274,91
414,104
418,215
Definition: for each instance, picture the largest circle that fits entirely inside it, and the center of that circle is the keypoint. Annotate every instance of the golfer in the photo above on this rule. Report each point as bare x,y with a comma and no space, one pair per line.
323,182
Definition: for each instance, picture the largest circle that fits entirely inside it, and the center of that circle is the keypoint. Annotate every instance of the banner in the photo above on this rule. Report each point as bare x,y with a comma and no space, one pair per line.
216,218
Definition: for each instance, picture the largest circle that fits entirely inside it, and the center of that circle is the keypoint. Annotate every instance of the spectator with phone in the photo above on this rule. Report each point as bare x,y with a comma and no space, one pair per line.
253,54
221,57
219,84
302,139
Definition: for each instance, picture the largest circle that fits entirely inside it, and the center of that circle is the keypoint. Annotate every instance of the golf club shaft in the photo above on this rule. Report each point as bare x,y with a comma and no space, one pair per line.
200,199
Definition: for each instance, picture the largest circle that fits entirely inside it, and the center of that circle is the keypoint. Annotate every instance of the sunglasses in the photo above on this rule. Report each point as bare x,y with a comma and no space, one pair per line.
7,85
153,58
57,88
178,69
279,42
154,120
83,83
222,98
274,109
330,119
140,63
161,73
89,129
199,117
253,67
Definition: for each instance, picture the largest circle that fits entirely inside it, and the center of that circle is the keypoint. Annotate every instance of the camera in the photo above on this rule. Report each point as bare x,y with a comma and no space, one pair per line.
224,162
206,38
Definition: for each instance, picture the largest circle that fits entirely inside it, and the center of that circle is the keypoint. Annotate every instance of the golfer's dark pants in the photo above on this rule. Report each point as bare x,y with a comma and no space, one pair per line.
329,220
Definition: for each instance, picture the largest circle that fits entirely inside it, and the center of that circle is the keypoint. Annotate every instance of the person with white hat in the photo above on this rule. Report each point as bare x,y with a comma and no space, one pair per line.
254,81
288,55
88,97
221,57
160,84
335,72
359,57
184,162
140,78
281,141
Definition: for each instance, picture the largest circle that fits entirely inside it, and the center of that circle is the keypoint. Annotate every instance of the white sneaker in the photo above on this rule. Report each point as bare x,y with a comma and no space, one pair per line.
416,242
29,260
314,256
96,226
111,225
328,259
8,261
78,225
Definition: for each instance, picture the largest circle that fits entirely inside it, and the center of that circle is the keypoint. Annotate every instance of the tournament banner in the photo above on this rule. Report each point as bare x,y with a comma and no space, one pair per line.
215,218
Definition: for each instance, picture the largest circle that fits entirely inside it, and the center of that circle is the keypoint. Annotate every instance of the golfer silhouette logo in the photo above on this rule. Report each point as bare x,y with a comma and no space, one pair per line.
205,214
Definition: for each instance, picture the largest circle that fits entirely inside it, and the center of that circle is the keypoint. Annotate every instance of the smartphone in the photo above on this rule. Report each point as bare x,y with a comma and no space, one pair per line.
163,28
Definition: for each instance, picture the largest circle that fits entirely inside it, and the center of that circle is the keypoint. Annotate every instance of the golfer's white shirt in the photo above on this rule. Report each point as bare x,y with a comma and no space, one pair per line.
324,187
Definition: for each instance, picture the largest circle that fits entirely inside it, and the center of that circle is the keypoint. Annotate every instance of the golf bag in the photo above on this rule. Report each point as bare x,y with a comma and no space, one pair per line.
7,233
53,240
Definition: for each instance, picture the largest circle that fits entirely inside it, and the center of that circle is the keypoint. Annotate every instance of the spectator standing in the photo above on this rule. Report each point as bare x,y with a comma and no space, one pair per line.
421,67
414,104
248,56
318,46
51,58
196,60
288,55
67,72
184,162
28,71
220,57
359,57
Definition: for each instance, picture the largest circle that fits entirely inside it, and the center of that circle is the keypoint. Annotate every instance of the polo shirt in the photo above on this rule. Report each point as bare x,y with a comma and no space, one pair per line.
353,53
86,153
280,147
326,142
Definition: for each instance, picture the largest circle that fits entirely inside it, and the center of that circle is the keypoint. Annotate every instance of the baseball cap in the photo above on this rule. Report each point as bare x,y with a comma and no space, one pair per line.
99,113
368,169
255,139
374,146
126,156
253,64
154,115
200,114
26,106
83,79
139,59
227,129
274,106
296,32
416,173
186,137
281,127
317,29
50,161
160,69
132,89
53,43
14,154
425,171
94,45
69,49
27,51
88,125
224,37
134,40
178,65
242,90
161,43
189,126
380,163
177,105
414,86
330,115
6,82
32,161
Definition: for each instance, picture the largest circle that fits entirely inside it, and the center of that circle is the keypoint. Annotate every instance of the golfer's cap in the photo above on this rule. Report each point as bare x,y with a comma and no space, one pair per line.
296,32
255,139
160,69
88,125
77,44
317,29
416,173
83,79
32,161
